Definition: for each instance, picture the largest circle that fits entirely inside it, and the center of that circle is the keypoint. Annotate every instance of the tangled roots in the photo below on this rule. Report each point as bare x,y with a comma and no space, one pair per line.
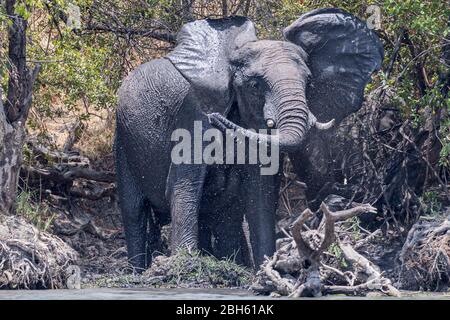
32,259
425,256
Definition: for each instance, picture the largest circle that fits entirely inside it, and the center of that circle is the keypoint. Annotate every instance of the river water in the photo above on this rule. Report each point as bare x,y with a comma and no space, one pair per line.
171,294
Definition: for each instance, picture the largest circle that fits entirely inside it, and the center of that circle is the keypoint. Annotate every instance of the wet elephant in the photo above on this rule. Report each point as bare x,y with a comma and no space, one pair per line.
221,76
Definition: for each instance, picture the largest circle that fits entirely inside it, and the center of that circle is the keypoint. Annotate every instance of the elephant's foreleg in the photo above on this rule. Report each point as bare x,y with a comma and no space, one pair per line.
205,235
184,193
228,231
261,204
227,242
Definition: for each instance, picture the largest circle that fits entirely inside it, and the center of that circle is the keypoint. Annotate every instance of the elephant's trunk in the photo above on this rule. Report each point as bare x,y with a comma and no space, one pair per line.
293,118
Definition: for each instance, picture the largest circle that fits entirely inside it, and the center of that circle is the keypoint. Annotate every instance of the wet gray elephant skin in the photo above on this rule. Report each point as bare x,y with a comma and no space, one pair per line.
222,75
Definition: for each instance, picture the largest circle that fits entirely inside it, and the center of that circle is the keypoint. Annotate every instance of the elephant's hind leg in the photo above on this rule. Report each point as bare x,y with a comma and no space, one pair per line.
134,211
134,217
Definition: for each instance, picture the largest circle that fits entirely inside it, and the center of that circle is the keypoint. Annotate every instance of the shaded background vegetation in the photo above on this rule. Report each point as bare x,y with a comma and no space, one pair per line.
82,66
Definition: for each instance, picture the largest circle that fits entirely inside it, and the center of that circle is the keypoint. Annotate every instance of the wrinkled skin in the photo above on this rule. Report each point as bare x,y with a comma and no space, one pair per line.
241,83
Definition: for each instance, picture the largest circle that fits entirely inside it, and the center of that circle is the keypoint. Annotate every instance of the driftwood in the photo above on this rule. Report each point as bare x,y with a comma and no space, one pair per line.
297,270
61,173
375,279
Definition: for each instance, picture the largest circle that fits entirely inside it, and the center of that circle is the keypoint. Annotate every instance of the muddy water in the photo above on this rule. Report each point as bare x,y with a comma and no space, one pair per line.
171,294
129,293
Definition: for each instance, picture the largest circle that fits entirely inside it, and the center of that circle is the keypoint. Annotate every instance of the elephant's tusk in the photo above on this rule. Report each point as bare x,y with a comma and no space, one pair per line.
270,123
324,126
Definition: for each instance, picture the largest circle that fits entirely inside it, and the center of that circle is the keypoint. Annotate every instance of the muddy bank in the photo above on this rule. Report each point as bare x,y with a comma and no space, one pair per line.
182,270
93,229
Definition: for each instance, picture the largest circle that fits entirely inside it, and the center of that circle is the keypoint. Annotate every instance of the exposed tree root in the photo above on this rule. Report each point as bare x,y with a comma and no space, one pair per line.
297,268
425,256
30,258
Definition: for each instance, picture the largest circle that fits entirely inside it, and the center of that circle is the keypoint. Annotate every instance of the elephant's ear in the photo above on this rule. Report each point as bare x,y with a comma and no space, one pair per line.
202,56
343,54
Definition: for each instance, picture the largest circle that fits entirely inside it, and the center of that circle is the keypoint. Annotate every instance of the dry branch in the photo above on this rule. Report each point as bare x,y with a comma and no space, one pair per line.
74,135
375,280
68,176
42,153
95,194
297,269
59,173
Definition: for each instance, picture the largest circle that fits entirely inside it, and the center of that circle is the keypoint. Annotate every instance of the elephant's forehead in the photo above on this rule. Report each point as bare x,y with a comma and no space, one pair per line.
265,54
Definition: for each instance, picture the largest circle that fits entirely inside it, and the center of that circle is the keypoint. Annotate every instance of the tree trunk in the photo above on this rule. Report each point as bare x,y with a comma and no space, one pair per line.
14,112
187,10
11,140
224,8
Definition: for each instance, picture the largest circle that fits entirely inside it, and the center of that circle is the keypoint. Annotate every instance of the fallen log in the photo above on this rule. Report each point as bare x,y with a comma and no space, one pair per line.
43,154
60,173
56,175
375,279
96,193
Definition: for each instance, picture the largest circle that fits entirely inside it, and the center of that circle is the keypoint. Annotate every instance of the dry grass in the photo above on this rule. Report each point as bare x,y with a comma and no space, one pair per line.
184,269
426,256
96,140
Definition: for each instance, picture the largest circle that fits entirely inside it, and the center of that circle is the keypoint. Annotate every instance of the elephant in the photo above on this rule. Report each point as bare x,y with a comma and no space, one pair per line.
221,76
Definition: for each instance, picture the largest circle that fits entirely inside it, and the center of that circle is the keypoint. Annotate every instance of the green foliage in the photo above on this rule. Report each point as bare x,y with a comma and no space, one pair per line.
424,18
78,78
273,16
335,250
35,212
431,203
354,227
